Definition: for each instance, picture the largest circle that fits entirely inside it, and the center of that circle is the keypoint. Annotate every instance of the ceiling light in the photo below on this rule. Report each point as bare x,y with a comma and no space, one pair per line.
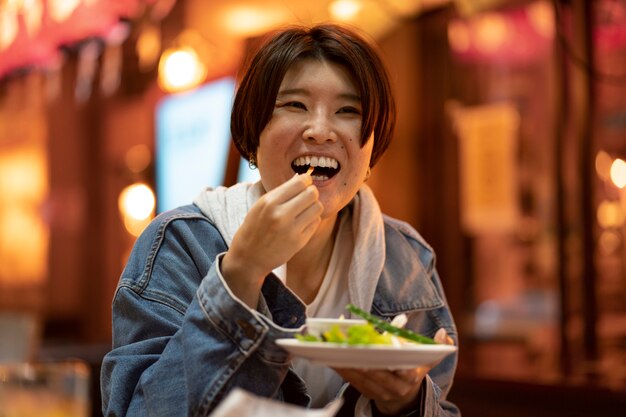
180,69
344,9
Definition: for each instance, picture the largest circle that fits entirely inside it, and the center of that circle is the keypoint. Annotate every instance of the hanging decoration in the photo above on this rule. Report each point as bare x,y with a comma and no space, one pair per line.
33,31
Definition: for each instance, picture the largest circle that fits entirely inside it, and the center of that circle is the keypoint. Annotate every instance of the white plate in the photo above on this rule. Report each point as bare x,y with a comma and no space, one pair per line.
367,357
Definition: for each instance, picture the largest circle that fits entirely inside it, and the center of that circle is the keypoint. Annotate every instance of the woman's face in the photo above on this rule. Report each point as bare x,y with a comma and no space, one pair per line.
316,122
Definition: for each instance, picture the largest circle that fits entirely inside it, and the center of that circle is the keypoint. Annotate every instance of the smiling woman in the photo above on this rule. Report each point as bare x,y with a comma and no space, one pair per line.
212,288
316,120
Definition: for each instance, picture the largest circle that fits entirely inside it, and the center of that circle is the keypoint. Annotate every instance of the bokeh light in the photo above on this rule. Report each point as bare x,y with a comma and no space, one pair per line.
180,69
136,204
344,9
618,173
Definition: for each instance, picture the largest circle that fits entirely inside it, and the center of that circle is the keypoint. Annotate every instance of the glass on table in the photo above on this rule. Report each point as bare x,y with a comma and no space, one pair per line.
46,389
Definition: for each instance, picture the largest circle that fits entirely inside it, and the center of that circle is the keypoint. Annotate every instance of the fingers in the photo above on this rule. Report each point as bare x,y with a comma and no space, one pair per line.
294,203
384,385
392,391
410,376
279,224
442,337
290,188
304,204
291,198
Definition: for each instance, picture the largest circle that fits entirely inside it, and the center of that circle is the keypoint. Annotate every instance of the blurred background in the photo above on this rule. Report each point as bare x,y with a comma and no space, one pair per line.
509,158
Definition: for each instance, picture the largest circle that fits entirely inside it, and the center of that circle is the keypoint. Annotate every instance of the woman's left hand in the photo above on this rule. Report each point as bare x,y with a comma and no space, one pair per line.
392,391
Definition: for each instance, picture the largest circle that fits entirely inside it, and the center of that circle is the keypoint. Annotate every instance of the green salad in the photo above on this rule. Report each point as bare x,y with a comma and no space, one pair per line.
375,332
359,334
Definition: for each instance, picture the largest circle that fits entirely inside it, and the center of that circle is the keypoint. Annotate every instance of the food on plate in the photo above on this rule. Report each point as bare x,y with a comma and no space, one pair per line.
387,327
372,331
356,334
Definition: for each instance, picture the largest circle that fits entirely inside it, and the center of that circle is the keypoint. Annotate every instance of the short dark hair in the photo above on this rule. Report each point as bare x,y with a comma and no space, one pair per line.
255,99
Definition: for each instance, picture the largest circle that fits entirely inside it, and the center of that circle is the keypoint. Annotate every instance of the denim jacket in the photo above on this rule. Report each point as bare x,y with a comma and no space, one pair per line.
182,340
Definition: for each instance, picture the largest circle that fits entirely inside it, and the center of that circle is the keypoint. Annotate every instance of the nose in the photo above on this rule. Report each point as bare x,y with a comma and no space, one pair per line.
320,129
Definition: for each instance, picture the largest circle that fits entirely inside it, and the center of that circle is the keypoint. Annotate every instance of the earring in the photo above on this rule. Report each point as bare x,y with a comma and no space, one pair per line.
252,161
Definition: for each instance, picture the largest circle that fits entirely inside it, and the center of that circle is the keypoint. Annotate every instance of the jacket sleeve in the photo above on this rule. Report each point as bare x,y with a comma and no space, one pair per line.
439,379
181,340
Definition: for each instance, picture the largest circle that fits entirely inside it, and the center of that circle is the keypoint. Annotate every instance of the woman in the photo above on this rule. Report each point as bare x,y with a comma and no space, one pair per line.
209,287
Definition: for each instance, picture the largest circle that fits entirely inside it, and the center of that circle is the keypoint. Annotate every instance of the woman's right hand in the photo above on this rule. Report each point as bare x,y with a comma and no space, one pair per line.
277,226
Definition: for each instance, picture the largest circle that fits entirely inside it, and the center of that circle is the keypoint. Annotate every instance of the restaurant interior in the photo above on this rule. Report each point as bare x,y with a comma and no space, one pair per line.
509,157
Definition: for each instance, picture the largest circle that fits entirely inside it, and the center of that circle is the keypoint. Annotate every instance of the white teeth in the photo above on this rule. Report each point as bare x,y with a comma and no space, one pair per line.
316,161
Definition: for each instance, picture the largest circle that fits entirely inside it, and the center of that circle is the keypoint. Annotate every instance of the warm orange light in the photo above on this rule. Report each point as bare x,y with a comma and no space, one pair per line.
148,46
137,201
23,176
180,69
136,204
541,16
491,32
609,242
8,27
24,235
459,36
252,21
60,10
32,10
603,165
24,240
618,173
610,214
138,158
345,9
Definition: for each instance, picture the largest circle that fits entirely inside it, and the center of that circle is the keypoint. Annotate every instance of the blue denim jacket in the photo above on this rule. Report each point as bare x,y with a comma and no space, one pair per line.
182,341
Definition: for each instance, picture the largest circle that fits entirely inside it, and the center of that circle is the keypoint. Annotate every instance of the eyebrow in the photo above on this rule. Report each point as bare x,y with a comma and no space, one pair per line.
302,91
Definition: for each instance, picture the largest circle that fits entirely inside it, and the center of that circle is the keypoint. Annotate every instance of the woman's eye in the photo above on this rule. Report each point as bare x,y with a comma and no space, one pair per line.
349,109
295,104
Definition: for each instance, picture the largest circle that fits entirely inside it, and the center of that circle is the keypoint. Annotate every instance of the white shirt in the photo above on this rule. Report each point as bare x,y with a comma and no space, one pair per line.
322,382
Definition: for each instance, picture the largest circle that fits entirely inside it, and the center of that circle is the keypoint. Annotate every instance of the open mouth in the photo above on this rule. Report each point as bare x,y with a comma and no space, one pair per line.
323,166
